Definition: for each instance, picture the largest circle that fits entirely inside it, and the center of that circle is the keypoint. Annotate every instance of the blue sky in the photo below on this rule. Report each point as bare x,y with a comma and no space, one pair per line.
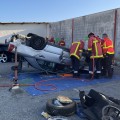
51,10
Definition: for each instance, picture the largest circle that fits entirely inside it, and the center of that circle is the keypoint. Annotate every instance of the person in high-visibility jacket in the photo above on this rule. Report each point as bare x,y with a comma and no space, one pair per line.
95,54
61,42
108,52
75,51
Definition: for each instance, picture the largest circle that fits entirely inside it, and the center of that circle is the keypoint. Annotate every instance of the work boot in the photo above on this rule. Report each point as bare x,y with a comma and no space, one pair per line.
103,72
76,75
97,75
91,76
110,73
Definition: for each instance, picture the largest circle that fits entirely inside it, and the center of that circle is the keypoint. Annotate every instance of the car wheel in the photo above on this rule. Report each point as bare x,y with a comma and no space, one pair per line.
3,58
36,42
65,110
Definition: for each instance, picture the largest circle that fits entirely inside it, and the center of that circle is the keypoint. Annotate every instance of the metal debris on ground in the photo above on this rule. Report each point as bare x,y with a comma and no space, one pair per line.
45,115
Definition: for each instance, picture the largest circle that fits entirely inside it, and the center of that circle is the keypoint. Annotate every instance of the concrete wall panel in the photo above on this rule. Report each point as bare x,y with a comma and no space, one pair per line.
62,29
98,23
117,42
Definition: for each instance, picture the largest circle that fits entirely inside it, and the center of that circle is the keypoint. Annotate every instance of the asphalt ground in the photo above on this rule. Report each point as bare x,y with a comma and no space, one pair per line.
19,105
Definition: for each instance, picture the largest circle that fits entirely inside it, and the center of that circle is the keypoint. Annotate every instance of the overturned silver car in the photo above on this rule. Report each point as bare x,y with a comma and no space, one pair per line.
40,54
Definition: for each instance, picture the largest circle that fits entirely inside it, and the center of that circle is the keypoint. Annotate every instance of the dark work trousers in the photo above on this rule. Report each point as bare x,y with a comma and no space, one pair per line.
95,63
75,64
107,65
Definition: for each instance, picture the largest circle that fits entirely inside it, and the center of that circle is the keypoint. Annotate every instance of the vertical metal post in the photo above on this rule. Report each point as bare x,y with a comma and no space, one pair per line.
16,67
15,78
72,30
115,26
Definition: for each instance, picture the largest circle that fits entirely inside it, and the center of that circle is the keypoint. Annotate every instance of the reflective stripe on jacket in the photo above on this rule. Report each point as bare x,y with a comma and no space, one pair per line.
76,49
108,46
94,45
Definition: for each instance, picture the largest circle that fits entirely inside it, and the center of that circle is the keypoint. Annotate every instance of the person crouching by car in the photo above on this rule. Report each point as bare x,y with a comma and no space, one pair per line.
75,51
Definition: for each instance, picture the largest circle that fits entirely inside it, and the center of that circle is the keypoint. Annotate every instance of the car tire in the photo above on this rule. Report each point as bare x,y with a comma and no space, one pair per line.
3,58
36,42
66,110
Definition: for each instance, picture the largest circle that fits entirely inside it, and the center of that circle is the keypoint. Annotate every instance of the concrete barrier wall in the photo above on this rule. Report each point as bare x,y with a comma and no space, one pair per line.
62,29
97,23
117,41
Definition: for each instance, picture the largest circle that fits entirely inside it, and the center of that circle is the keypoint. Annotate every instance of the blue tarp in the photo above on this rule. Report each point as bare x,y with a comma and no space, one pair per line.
62,83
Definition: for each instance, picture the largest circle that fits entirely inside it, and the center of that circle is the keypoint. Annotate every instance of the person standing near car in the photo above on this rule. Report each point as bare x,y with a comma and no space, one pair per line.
95,54
108,52
75,50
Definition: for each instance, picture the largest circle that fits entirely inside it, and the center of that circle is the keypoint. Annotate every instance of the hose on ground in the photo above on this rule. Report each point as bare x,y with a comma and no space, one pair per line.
41,83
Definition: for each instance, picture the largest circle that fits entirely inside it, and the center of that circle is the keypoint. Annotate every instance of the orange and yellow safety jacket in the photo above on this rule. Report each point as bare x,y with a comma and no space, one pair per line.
76,48
94,46
108,46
